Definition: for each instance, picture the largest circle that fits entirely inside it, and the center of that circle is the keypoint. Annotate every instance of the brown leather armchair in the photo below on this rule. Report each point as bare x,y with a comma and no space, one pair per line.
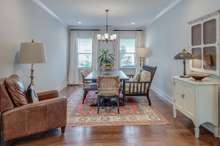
49,113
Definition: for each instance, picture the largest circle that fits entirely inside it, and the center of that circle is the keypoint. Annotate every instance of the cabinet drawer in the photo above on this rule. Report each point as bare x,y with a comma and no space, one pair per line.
179,95
189,100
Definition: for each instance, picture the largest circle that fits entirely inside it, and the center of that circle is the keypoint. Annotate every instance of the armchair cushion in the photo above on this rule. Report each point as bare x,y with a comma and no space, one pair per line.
136,77
5,101
109,92
145,76
48,95
16,90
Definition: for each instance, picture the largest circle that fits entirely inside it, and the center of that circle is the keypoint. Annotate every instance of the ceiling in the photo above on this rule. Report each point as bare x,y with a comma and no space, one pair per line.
123,13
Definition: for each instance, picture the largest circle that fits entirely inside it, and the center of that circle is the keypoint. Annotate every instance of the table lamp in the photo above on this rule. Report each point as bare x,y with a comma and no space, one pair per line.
142,54
32,53
184,55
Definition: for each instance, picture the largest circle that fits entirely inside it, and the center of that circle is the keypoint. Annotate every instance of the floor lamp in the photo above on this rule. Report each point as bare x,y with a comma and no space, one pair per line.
32,53
142,54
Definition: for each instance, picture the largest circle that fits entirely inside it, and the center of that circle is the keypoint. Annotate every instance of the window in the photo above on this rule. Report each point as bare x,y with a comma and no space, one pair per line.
204,45
84,52
127,53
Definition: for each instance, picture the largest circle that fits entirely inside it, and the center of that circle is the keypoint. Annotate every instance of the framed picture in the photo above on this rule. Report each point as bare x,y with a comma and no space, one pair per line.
204,44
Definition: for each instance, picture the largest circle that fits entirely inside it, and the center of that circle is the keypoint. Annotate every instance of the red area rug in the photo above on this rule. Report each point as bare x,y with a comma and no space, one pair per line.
135,112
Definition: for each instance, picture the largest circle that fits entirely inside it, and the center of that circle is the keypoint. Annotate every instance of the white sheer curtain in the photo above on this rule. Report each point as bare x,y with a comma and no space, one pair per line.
74,71
73,74
117,51
95,48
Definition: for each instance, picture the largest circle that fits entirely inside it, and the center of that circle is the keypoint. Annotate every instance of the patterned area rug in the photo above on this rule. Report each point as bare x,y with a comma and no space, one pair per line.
135,112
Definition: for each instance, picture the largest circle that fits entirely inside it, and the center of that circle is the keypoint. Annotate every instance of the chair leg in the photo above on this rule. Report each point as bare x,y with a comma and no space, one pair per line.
98,106
8,143
148,98
123,100
118,104
84,96
63,129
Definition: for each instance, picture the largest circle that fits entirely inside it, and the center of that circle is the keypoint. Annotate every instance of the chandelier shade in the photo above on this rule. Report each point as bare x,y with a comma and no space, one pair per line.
106,36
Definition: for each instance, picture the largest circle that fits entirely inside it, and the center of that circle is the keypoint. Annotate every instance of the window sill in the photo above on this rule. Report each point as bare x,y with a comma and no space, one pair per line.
84,68
132,67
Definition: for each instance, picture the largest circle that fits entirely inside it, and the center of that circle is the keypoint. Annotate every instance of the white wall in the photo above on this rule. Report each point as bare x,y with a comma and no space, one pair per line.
168,36
22,21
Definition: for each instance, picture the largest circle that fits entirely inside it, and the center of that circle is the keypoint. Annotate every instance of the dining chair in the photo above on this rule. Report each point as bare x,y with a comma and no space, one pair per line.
87,85
108,87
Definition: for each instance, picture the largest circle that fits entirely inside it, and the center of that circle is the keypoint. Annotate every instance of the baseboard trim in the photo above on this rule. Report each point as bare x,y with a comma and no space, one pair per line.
60,88
162,95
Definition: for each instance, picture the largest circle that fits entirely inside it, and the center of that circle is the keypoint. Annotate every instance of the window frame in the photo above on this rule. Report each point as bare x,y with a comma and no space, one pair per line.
133,53
215,16
83,53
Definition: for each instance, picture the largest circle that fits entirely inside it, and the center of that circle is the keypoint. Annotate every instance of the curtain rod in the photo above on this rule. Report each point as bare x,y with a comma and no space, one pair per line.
100,30
84,29
127,30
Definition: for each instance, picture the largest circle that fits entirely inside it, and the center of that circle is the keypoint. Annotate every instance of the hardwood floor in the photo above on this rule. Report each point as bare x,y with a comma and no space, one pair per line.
178,133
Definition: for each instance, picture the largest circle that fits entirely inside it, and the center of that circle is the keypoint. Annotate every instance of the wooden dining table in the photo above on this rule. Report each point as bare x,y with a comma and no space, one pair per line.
94,75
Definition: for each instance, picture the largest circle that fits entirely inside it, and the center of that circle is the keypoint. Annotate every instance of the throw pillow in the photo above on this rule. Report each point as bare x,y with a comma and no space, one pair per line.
136,77
5,101
145,76
16,90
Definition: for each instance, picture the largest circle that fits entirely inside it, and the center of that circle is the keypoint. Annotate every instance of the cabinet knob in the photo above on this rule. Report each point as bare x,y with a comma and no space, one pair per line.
183,95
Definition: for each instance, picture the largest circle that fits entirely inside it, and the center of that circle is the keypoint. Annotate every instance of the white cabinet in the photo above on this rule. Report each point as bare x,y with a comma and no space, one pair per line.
198,100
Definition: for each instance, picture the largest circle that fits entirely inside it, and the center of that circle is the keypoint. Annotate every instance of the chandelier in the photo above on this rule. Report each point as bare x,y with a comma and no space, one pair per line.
106,36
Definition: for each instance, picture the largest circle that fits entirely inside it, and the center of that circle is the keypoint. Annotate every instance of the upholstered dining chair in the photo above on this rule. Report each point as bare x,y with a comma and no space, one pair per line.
140,84
87,85
108,86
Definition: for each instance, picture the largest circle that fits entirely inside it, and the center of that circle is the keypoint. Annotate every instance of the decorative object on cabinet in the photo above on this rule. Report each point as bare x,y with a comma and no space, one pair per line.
32,53
204,43
199,77
197,100
184,55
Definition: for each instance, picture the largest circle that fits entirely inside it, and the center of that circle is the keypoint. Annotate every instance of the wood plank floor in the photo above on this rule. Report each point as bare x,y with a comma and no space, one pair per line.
178,133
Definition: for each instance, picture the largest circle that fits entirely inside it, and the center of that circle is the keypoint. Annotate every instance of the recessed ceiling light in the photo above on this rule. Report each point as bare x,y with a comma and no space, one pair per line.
79,22
133,23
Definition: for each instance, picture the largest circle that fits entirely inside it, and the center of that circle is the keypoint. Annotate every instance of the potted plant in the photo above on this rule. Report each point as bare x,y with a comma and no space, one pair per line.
106,59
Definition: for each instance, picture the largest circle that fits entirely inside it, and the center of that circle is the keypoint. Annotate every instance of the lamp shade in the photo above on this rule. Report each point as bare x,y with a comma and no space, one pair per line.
183,55
142,52
32,53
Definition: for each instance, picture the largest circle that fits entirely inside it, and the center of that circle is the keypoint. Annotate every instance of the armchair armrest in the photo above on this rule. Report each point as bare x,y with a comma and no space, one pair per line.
48,95
34,118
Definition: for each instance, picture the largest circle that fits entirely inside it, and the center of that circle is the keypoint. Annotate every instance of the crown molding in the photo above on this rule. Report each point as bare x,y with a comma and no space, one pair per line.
165,10
49,11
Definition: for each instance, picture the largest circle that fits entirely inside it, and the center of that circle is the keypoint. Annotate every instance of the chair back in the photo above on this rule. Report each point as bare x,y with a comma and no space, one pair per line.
108,83
151,69
84,74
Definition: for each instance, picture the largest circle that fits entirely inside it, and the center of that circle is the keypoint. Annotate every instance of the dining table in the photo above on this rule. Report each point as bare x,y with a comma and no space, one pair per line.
122,76
94,75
